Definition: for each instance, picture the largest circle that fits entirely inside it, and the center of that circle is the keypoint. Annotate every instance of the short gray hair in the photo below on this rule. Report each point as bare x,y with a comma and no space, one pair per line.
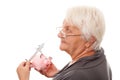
89,20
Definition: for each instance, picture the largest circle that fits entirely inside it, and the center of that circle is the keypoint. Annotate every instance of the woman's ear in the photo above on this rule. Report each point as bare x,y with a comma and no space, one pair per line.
90,42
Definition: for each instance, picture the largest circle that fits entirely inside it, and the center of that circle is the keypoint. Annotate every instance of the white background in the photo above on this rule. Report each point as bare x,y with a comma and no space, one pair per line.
24,24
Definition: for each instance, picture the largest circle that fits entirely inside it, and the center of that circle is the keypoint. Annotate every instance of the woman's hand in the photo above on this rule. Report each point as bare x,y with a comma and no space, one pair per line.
50,71
23,70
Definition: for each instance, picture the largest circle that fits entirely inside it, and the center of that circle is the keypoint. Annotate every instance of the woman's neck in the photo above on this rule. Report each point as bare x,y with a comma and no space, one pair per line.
82,52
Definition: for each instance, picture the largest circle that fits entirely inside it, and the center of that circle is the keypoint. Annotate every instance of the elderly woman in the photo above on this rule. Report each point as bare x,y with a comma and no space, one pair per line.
81,35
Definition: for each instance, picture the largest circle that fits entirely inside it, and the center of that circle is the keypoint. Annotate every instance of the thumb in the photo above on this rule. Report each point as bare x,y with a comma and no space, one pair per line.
28,63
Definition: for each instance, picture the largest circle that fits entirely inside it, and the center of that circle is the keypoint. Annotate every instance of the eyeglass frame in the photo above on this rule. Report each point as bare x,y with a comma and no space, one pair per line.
65,34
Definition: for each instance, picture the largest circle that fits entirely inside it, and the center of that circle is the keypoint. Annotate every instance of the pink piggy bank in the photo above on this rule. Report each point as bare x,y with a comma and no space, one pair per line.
40,62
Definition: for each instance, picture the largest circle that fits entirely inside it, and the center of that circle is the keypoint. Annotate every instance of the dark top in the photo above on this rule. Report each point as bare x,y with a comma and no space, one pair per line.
94,67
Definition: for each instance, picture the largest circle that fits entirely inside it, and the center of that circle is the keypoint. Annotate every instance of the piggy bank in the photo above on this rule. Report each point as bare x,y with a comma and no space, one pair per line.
40,62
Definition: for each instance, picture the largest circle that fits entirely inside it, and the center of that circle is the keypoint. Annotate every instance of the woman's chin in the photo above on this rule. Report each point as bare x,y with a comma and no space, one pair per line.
62,47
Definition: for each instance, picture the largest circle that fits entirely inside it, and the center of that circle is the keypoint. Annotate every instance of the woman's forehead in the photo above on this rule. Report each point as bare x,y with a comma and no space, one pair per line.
67,24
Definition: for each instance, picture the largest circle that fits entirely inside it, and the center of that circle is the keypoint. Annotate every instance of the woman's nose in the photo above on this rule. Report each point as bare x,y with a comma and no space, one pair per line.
61,34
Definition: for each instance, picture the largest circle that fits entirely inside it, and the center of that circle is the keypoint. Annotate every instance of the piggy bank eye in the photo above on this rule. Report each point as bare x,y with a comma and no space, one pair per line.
44,58
40,56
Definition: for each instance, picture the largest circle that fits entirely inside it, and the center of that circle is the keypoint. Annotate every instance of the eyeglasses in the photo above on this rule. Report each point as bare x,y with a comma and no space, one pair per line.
65,33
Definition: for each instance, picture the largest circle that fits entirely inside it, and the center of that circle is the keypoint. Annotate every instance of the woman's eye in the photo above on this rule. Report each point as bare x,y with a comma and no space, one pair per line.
68,31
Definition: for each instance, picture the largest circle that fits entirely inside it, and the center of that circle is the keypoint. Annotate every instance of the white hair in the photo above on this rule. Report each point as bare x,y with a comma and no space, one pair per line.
89,20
